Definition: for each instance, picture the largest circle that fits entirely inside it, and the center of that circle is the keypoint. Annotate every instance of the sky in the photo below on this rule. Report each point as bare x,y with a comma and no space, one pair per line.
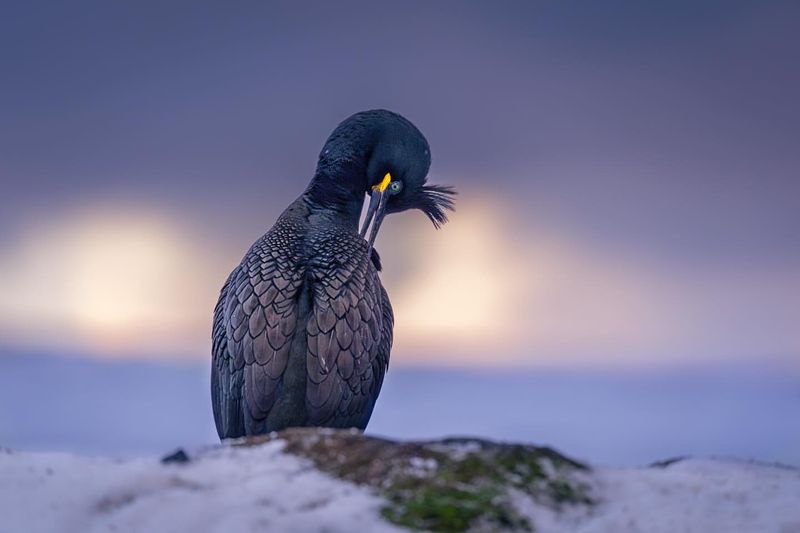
629,193
149,408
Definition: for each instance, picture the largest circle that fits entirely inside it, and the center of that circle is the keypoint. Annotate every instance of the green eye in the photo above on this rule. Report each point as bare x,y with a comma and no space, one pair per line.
396,186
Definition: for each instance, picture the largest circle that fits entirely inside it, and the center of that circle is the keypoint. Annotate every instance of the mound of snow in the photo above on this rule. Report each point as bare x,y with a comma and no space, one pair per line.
310,480
225,490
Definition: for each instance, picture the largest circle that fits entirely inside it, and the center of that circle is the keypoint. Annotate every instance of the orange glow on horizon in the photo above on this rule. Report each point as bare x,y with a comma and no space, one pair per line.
115,282
485,290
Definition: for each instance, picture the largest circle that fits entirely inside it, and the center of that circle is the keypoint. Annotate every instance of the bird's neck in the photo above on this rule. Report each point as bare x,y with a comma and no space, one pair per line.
337,196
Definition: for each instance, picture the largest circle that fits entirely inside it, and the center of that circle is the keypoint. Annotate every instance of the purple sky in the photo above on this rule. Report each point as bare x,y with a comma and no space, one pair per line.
644,155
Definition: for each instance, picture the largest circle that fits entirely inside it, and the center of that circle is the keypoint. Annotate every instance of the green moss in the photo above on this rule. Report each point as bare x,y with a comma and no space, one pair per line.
449,485
562,492
472,489
520,466
451,510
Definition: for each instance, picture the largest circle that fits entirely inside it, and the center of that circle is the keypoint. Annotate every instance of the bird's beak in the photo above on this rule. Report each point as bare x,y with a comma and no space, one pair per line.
376,210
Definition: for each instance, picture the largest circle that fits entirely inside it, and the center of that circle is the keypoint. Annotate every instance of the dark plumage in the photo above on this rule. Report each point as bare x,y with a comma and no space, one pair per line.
303,327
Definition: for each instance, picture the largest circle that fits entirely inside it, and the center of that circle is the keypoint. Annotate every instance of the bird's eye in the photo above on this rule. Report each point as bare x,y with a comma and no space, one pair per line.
395,187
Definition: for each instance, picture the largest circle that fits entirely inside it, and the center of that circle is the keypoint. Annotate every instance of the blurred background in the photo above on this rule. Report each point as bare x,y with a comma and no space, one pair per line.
621,279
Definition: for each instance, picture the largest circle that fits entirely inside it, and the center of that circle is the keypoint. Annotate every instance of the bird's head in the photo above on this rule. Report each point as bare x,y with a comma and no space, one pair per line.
382,154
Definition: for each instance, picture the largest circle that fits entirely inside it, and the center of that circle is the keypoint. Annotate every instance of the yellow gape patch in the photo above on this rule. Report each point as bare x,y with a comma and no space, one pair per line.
387,179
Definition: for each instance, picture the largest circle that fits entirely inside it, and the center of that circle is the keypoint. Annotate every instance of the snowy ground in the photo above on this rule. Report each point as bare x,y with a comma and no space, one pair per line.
698,495
254,489
264,489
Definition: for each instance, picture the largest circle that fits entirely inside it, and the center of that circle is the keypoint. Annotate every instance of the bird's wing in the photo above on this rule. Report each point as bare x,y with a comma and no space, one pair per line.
349,334
226,378
254,324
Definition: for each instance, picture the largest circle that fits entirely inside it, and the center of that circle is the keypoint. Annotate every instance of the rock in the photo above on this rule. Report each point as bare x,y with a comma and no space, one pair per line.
664,463
178,456
455,484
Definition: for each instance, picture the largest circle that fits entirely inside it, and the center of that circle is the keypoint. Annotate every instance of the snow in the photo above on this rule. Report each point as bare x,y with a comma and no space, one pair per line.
264,489
699,495
688,496
243,489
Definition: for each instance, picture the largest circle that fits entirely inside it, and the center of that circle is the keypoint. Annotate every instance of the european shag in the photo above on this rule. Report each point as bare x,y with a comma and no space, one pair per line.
303,327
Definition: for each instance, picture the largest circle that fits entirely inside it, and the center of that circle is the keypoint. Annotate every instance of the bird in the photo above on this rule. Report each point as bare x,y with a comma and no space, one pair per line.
302,329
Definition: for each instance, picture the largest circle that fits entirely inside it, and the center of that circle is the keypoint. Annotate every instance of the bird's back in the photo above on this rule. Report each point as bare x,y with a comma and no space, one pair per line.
302,330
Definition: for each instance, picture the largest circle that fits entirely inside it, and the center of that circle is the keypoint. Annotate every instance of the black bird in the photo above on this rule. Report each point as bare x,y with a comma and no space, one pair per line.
303,327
